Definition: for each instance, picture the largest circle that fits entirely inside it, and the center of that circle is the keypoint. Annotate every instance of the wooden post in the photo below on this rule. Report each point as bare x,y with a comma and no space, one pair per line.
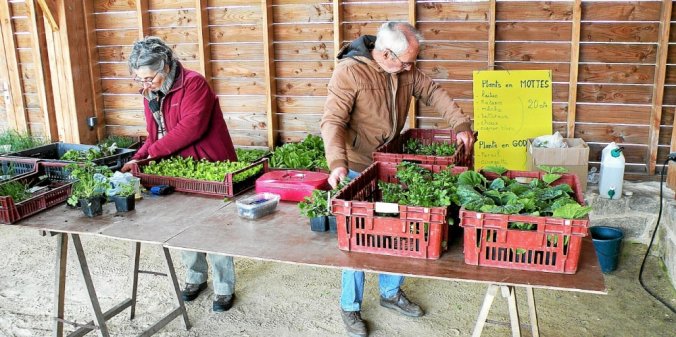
491,35
413,108
16,111
49,10
658,85
270,85
94,70
202,16
43,77
337,29
70,71
143,18
574,63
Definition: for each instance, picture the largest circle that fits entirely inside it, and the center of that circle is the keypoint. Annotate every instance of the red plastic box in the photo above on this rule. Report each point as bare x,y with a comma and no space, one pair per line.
419,232
292,185
489,242
393,152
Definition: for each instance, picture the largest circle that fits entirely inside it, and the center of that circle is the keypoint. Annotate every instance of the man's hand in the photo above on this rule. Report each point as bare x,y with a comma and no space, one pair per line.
466,139
127,166
337,175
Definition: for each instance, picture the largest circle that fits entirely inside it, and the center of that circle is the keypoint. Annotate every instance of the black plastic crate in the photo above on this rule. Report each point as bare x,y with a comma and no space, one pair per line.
53,152
16,167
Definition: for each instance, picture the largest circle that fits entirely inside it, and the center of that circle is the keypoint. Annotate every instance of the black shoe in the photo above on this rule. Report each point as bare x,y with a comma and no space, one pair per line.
223,302
401,304
354,325
191,291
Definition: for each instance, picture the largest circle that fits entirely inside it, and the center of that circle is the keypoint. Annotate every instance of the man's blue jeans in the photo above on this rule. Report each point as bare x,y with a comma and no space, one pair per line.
352,288
222,270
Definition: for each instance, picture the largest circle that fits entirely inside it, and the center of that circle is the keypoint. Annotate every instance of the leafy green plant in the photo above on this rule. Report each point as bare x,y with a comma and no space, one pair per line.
420,187
122,142
124,189
19,141
317,204
91,181
414,146
199,169
250,155
306,155
14,189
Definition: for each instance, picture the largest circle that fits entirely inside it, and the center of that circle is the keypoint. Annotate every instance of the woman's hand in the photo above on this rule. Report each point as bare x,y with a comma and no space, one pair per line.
128,165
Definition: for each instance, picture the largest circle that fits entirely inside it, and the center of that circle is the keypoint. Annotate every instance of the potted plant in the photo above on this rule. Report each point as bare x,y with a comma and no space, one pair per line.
316,208
124,197
90,187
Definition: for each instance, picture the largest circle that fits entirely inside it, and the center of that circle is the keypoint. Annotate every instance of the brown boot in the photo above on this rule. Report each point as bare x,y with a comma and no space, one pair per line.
354,325
401,304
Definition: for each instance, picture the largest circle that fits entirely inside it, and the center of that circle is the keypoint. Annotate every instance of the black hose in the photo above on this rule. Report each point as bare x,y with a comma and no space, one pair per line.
657,226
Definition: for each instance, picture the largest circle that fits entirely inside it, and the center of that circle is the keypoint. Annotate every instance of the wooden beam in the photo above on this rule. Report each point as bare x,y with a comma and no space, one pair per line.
16,111
491,35
413,108
43,76
94,70
270,73
574,65
658,86
143,18
202,16
337,28
49,11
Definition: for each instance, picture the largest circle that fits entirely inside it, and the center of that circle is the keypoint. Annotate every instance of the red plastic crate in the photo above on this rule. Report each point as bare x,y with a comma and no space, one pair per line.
225,188
292,185
393,152
361,230
489,242
59,192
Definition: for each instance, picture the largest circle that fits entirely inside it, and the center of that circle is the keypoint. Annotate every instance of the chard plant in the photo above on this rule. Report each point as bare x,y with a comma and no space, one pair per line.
414,146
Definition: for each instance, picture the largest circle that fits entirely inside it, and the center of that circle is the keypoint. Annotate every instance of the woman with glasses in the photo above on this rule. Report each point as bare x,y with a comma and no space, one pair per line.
183,118
369,95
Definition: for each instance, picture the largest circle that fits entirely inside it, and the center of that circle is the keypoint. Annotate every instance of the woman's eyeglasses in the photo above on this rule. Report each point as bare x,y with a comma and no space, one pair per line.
146,80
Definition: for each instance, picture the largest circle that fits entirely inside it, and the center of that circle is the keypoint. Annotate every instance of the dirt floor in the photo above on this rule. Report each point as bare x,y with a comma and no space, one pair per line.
287,300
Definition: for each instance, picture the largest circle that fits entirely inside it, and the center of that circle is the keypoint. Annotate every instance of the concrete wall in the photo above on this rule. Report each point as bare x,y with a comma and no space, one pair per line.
636,215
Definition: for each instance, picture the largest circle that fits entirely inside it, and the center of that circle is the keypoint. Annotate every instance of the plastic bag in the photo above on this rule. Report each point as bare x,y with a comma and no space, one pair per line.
118,179
553,141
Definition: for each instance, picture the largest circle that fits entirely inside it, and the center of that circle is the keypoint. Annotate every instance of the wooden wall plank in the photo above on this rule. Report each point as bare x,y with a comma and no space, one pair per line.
269,68
362,12
533,31
239,33
103,6
455,51
618,53
237,51
50,12
304,32
313,69
534,11
449,70
302,87
243,69
452,11
16,111
457,31
613,114
574,67
619,32
616,73
313,12
658,86
607,133
413,107
41,71
303,51
491,33
235,15
611,93
532,51
353,30
621,11
560,71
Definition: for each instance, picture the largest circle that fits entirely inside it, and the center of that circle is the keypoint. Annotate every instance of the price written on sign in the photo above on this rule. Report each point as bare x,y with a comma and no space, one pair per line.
510,107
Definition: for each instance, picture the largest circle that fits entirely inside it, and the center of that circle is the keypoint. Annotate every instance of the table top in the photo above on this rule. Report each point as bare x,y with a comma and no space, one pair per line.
190,222
285,236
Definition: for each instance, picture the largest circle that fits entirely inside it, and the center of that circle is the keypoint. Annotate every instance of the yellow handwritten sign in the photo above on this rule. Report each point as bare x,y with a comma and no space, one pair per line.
510,107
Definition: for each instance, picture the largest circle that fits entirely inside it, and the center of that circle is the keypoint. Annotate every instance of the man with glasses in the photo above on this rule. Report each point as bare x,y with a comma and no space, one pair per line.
368,100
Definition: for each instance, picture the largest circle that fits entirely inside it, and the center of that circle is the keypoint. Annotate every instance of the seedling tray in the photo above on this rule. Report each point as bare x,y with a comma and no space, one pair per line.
16,167
393,152
418,232
58,192
225,188
53,152
489,242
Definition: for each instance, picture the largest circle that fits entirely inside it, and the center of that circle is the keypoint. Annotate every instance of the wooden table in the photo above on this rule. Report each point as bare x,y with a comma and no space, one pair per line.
285,236
209,225
156,220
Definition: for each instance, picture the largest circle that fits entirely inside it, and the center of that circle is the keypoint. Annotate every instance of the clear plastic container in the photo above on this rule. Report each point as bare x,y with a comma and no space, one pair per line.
257,205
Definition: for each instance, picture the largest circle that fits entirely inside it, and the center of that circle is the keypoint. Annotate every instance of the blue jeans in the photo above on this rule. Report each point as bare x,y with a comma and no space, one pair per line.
222,268
352,287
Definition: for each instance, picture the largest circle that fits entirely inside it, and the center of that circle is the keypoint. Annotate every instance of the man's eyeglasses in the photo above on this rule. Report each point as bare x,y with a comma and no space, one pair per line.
146,80
403,64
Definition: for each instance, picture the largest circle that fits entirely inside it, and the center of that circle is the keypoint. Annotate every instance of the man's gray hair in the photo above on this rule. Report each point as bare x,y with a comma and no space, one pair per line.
391,36
151,52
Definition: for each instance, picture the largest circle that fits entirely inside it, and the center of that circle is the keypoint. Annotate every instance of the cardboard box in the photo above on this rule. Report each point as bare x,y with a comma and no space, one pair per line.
575,158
